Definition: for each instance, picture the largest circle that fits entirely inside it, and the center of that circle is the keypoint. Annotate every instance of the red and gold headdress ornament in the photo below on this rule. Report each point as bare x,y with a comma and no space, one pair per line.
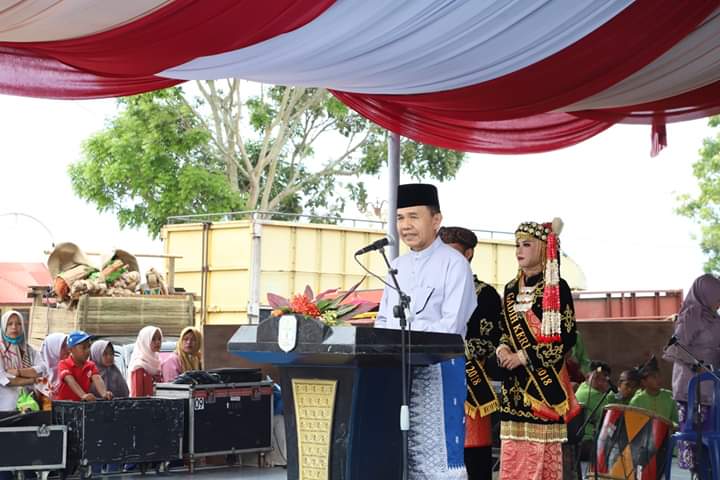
548,233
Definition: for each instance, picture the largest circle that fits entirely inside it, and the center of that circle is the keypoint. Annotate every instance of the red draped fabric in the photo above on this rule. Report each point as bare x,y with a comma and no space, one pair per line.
26,74
176,33
537,133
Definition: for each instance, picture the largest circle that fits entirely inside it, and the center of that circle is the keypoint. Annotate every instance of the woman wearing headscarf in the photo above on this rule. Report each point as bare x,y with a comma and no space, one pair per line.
698,328
103,354
20,365
186,356
53,349
145,369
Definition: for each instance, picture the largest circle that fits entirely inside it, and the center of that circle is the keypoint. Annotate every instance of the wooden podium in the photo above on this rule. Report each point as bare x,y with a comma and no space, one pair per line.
341,390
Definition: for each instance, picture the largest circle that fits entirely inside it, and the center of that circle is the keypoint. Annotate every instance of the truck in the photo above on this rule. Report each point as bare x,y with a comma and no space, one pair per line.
233,260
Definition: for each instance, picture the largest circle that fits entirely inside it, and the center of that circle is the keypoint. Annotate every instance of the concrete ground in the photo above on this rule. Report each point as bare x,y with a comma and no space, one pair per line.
251,473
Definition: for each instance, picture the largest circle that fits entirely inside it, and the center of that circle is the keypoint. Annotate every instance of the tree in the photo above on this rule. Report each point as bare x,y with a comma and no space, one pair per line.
705,207
236,145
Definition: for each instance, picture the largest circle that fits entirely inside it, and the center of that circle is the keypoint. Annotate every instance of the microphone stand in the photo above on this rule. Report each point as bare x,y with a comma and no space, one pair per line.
399,313
581,431
698,366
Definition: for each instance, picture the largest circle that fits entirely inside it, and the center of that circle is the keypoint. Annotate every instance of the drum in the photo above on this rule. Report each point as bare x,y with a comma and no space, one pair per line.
632,444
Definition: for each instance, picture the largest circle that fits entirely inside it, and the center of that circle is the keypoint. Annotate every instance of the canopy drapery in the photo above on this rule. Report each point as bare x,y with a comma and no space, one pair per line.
501,76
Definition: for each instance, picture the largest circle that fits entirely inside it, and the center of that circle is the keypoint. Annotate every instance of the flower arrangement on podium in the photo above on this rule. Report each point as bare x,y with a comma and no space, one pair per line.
332,307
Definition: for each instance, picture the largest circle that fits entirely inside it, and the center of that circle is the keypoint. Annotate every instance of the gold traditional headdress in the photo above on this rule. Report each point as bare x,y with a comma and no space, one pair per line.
548,233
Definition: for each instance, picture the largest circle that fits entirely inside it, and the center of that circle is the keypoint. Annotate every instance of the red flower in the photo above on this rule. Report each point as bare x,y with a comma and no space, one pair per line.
303,305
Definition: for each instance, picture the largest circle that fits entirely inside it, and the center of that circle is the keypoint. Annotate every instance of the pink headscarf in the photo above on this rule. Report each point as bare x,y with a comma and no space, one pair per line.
142,356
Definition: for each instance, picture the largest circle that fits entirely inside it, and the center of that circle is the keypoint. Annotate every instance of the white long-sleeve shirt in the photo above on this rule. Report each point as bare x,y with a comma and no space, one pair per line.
8,393
440,285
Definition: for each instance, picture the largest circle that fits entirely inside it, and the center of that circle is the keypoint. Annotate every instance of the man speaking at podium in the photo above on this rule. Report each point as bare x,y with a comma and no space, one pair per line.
439,282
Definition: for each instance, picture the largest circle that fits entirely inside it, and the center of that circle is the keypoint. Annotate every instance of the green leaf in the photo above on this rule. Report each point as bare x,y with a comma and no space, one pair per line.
324,304
345,309
169,153
704,208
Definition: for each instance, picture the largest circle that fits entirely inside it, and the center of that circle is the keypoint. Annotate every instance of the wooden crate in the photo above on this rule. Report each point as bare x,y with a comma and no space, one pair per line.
114,316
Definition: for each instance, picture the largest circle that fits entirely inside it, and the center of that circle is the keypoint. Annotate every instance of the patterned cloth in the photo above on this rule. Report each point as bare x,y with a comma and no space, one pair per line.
437,422
478,431
686,450
532,432
524,460
527,412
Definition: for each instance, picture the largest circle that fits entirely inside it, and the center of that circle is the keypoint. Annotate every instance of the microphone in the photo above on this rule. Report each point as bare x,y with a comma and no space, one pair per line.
376,245
673,340
613,388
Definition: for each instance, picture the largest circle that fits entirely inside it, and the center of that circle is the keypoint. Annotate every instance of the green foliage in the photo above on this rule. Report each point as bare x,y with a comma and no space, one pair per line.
169,153
152,161
705,207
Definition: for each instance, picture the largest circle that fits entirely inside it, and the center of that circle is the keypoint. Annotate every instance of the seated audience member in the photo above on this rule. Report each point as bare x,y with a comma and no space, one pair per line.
651,396
593,395
20,365
628,384
76,373
102,353
53,349
145,368
186,356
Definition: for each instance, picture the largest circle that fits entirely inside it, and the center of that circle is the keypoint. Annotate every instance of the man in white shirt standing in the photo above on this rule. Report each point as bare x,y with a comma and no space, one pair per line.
439,282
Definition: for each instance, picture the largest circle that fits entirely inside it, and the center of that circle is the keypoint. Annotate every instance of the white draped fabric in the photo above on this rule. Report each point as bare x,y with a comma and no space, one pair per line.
502,76
692,63
45,20
410,46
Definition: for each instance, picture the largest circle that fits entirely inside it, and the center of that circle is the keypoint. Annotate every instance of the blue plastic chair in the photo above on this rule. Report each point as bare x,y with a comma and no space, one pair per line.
710,439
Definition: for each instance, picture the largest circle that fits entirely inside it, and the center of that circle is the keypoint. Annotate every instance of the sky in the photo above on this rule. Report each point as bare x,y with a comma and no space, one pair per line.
616,201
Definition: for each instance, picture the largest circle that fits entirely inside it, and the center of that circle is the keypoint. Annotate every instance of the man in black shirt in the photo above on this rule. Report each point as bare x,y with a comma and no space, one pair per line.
483,335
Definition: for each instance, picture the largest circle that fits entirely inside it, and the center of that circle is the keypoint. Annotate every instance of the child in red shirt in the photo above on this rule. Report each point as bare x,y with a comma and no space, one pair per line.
76,373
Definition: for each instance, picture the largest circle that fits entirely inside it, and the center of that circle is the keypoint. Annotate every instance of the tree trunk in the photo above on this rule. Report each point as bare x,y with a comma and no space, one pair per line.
231,171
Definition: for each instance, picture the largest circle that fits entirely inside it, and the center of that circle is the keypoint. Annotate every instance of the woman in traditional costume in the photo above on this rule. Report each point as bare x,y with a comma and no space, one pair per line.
538,331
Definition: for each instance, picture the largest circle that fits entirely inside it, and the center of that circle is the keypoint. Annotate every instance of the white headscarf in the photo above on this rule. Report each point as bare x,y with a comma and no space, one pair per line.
15,355
50,354
142,356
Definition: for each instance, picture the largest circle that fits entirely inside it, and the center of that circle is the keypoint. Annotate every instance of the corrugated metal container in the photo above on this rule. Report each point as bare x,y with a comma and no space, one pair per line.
294,254
627,305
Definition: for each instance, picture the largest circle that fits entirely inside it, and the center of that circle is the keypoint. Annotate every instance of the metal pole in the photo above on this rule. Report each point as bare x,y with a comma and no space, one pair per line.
393,182
254,303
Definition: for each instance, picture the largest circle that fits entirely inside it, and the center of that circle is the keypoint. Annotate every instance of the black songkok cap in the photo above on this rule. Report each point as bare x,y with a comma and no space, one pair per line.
463,236
418,195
